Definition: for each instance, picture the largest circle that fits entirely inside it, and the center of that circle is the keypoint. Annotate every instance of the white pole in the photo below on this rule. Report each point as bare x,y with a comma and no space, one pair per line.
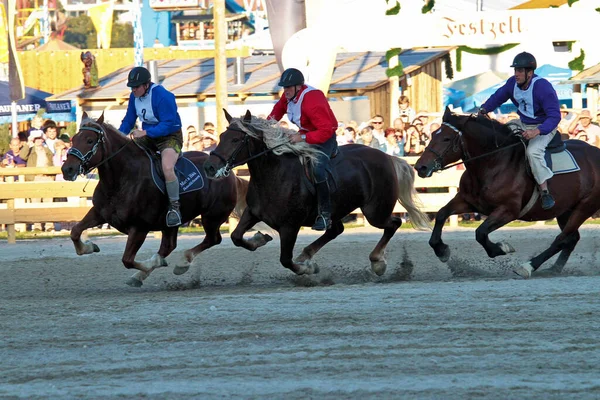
15,125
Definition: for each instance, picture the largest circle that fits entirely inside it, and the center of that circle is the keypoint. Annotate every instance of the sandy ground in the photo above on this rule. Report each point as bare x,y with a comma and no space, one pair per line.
239,325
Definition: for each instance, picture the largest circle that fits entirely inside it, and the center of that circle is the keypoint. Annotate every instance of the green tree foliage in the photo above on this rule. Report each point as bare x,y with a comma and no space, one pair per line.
81,33
5,138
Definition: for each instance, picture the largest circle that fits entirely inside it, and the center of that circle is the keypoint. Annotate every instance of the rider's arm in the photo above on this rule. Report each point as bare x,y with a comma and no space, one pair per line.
316,110
279,110
544,91
500,96
130,116
164,108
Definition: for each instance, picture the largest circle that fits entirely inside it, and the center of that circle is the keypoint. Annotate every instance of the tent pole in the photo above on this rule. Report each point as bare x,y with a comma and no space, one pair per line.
15,125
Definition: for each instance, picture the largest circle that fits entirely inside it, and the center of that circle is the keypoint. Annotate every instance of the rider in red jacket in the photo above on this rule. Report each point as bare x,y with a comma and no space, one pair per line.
309,110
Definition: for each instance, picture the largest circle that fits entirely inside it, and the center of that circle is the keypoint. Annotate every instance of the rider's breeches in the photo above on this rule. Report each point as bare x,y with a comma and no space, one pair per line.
535,153
173,190
320,166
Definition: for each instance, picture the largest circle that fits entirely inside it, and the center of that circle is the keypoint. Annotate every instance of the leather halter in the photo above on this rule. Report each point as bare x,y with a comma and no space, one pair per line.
456,145
85,158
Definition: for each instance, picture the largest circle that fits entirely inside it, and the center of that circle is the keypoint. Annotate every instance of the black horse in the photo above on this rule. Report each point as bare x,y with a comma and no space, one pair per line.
127,198
497,183
281,195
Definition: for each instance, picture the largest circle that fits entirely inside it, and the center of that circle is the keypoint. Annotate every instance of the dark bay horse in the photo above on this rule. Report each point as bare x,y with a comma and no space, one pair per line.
496,183
281,196
127,198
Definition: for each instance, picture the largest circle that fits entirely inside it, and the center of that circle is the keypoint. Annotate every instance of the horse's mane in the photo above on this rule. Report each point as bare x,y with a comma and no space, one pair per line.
274,135
104,125
495,132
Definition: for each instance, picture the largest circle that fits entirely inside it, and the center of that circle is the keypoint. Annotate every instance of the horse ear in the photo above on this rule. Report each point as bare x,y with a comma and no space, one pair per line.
227,116
85,115
447,114
247,116
101,119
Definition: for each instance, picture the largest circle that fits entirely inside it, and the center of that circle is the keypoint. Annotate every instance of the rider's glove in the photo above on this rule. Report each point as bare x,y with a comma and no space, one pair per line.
482,111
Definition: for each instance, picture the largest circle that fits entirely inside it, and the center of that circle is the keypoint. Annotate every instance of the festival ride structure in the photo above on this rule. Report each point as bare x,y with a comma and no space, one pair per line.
281,194
497,183
128,199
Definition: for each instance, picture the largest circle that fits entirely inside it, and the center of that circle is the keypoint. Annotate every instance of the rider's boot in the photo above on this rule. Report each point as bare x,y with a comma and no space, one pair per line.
323,221
173,214
547,200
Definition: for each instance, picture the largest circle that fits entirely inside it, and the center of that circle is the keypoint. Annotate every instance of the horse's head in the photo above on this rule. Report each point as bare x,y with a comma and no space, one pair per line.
83,154
234,147
445,146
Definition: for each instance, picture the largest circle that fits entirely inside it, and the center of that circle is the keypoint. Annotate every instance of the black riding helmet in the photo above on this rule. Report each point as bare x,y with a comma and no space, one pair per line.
138,76
291,77
524,60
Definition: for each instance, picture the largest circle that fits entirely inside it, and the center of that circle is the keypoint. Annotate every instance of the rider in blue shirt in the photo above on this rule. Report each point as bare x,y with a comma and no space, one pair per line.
155,106
539,111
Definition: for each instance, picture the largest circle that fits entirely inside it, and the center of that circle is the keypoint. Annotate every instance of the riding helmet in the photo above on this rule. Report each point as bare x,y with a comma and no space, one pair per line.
524,60
138,76
291,77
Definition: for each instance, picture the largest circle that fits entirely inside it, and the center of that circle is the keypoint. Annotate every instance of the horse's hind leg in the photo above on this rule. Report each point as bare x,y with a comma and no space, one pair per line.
91,219
377,256
564,255
309,251
565,241
212,237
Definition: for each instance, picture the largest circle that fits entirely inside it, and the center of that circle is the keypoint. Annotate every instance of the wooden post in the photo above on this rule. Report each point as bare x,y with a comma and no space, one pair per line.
233,222
10,228
220,63
453,190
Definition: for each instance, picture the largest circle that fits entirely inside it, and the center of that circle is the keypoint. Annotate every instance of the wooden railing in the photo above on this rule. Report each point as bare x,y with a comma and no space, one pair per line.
14,209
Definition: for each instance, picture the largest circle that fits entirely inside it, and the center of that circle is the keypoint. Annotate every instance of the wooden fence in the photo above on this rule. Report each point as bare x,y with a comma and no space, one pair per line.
14,208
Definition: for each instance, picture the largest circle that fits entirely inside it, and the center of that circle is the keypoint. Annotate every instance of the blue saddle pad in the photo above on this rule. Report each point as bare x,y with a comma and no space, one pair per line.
190,178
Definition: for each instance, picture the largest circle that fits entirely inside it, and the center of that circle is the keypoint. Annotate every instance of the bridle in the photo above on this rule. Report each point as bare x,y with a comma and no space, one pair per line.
231,162
84,168
457,145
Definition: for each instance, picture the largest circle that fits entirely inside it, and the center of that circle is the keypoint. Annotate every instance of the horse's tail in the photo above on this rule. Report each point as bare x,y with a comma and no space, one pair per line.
407,195
242,190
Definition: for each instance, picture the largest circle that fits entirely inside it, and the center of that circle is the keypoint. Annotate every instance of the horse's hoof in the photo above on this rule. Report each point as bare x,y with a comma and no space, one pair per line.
445,254
133,282
181,269
506,248
524,270
378,267
96,248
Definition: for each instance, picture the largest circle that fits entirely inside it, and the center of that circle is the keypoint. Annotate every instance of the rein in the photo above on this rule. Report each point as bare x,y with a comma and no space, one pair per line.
85,158
439,157
231,163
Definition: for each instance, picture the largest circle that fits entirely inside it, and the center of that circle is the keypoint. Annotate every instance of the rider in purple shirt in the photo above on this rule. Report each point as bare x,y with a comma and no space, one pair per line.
539,111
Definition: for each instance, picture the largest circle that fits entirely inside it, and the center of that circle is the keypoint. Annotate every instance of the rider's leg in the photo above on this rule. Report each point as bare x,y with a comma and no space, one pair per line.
168,159
535,154
323,221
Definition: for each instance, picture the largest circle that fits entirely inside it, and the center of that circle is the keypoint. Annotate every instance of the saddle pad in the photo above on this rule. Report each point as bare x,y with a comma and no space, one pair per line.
190,178
563,163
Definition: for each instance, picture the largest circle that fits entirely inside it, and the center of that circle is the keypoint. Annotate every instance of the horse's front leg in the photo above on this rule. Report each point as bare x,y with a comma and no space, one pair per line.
91,219
247,221
497,219
288,236
309,251
457,205
135,239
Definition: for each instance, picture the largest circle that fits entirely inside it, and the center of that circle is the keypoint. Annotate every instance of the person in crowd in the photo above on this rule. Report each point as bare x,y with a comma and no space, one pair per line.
407,114
308,109
155,106
50,134
350,133
367,139
14,157
565,121
36,129
340,135
391,143
196,143
539,112
433,127
209,142
61,147
582,128
209,127
24,139
40,156
412,147
377,122
190,132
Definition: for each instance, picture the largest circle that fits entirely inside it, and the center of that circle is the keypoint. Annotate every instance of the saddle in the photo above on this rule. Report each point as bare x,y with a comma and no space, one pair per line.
309,177
189,176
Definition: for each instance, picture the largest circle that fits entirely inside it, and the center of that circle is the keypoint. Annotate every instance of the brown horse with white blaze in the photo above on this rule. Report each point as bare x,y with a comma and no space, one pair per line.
127,198
496,183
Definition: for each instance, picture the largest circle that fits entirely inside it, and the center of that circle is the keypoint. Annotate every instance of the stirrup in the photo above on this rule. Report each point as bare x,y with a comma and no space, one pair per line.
547,200
173,215
322,223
